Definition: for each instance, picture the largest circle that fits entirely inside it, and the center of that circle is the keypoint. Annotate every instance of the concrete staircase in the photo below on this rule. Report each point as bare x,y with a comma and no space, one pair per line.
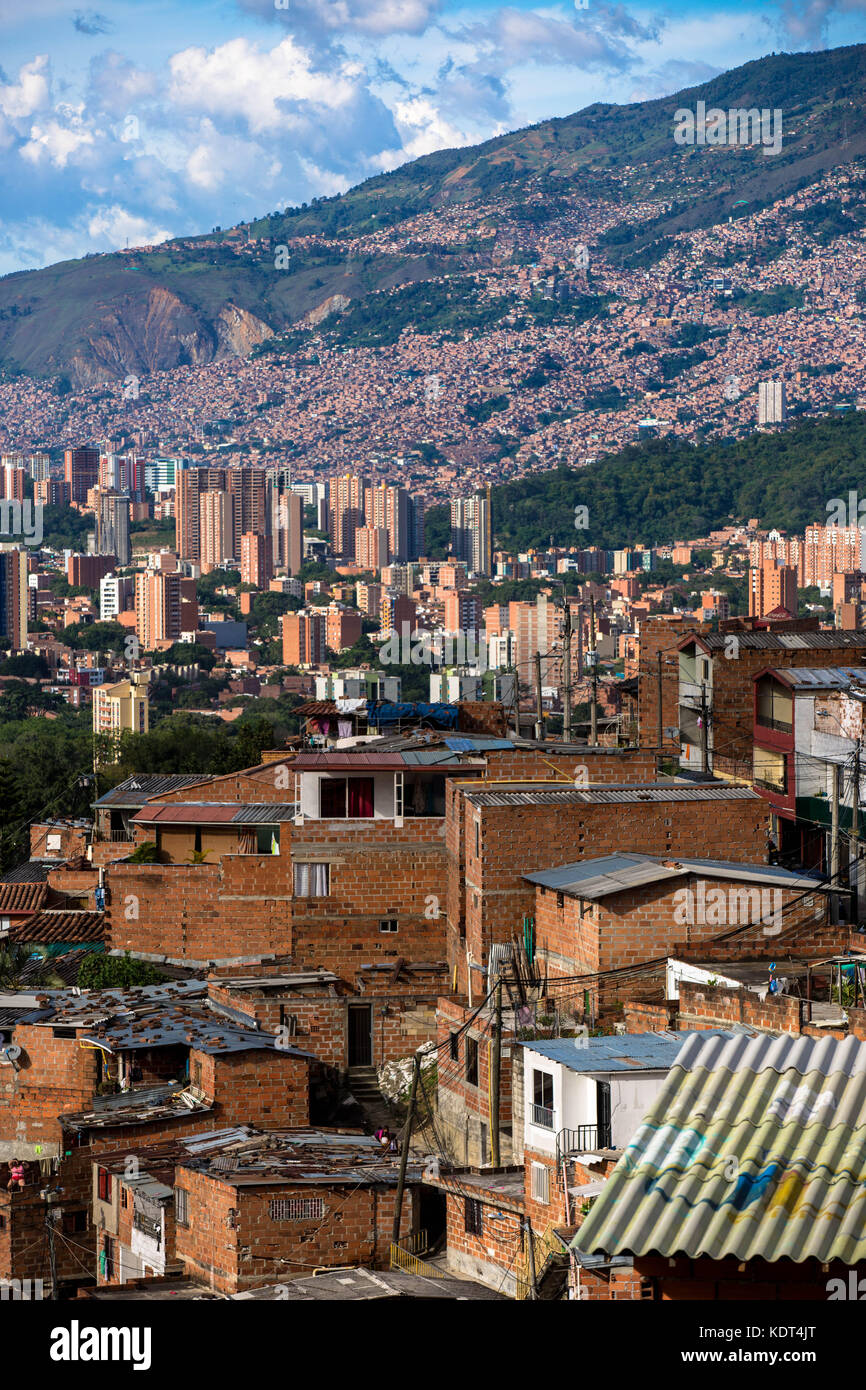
364,1086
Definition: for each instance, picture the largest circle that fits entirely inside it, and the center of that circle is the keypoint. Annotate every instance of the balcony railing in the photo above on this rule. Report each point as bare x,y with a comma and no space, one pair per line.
542,1117
583,1139
781,726
115,837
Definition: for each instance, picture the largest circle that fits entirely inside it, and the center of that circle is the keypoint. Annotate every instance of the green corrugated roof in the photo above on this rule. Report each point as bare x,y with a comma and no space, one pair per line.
755,1147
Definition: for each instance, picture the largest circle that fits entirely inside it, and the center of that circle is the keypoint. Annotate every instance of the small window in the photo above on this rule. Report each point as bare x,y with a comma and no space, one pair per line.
181,1206
74,1222
312,880
124,1198
478,839
472,1061
389,924
196,1074
472,1217
297,1209
540,1183
267,839
2,1223
560,900
63,1032
103,1184
454,1046
197,840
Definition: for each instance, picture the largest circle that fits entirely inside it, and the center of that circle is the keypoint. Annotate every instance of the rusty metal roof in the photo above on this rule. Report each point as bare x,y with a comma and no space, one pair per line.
217,813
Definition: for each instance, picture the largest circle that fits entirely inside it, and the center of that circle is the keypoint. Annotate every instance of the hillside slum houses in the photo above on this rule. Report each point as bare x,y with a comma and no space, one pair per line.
422,1005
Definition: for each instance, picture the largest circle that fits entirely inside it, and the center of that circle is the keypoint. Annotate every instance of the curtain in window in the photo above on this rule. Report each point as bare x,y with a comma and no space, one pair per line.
361,797
332,797
311,880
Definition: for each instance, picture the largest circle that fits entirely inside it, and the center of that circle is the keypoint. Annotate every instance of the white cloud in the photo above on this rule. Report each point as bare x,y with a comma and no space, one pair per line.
422,130
112,227
56,142
239,80
30,93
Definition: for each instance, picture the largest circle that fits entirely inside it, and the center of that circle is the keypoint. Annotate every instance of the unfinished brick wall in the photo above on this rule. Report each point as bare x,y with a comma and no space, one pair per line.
233,1243
642,924
238,907
401,1021
243,905
262,1087
515,841
732,685
493,1257
464,1110
54,1075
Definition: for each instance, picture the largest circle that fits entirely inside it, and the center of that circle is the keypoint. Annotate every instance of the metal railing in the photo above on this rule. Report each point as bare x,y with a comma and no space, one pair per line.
542,1117
581,1140
406,1260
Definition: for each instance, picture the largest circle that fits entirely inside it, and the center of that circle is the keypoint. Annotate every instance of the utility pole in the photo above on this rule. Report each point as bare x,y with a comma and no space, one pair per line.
530,1240
593,715
495,1071
539,704
705,740
834,845
855,836
50,1216
566,672
659,699
404,1152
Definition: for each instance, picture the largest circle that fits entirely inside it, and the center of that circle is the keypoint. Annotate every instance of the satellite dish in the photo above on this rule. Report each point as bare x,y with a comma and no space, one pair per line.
13,1052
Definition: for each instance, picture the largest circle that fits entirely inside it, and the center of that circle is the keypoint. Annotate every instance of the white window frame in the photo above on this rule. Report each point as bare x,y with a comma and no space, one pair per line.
539,1175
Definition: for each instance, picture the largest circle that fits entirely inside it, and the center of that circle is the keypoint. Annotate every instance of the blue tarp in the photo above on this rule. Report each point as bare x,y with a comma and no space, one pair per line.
444,716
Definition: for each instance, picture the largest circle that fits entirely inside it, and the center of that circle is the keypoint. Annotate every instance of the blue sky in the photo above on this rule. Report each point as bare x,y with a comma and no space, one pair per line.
142,119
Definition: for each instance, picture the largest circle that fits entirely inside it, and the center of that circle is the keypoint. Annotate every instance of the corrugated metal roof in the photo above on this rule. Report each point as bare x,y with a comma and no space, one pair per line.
614,873
791,1114
345,761
136,790
265,814
553,794
779,641
217,813
466,743
634,1052
32,871
817,677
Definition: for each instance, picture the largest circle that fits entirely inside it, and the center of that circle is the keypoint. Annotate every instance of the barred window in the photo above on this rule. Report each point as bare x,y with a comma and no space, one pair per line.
472,1217
297,1209
540,1175
181,1206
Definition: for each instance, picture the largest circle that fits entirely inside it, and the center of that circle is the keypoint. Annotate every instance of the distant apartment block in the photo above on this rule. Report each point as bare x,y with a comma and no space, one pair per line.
772,586
471,538
256,560
13,595
121,708
830,550
772,403
303,638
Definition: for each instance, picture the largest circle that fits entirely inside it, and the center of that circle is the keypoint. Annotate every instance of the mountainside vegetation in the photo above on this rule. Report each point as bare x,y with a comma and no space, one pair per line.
222,294
661,490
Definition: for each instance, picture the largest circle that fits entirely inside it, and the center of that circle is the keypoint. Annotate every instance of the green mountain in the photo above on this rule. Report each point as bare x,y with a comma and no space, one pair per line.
665,490
199,298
